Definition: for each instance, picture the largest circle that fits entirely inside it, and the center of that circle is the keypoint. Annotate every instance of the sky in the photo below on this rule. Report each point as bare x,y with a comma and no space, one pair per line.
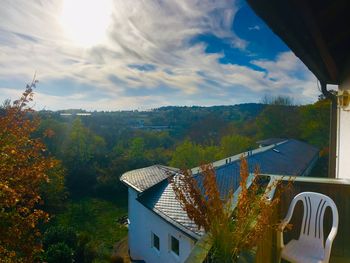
138,54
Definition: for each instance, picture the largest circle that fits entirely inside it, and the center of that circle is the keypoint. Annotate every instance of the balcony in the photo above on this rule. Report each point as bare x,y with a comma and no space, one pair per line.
268,249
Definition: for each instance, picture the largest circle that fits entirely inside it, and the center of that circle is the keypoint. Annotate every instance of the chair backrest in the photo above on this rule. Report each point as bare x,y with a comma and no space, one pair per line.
315,205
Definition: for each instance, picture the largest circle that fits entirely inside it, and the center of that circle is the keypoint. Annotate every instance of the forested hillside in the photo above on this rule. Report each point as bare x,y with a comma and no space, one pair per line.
96,149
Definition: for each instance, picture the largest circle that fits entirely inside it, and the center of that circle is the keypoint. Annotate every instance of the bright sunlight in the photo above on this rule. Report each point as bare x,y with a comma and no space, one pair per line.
86,21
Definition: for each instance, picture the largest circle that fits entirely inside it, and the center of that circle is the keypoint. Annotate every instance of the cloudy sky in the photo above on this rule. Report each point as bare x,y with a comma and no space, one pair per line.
141,54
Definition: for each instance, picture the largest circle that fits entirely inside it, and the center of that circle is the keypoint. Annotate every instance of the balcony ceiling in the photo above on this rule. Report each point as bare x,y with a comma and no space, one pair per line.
317,31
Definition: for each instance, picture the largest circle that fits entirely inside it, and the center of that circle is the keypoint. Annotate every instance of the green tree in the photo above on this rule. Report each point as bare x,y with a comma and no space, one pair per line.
137,148
279,119
314,125
187,154
234,144
55,133
82,153
83,145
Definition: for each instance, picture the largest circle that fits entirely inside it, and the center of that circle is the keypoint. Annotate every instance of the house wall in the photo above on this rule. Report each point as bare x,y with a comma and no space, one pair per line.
142,223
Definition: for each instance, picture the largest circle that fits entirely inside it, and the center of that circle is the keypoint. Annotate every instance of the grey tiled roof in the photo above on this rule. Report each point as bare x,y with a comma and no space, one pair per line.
161,199
290,157
144,178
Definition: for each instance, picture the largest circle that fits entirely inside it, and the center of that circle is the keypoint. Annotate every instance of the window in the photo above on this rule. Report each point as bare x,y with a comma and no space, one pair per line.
155,241
175,245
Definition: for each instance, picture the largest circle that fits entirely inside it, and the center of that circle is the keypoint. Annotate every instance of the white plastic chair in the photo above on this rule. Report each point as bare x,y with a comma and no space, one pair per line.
310,247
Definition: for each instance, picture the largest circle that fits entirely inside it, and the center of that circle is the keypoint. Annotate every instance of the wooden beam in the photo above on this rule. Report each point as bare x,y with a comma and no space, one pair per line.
313,27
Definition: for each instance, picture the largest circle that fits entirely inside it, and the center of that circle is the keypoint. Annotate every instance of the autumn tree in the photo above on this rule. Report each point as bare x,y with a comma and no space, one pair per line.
24,167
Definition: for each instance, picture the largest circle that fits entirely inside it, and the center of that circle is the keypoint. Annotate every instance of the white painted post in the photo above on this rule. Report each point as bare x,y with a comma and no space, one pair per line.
343,130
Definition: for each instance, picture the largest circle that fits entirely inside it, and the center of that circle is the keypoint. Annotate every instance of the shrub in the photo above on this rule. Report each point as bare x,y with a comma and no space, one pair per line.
60,234
59,253
116,259
86,251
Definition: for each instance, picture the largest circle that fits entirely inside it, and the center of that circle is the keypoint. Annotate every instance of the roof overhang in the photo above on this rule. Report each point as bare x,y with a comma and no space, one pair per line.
317,32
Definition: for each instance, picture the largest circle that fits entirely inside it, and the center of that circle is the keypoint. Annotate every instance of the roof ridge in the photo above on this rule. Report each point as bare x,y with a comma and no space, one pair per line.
236,157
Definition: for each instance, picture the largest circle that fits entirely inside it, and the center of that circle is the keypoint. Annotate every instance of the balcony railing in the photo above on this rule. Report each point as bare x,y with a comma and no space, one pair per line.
268,250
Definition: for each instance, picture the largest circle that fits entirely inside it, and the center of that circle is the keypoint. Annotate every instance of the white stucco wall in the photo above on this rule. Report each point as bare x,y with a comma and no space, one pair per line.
343,151
142,223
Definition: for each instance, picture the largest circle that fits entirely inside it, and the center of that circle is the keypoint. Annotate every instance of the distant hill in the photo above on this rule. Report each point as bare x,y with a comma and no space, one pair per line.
179,120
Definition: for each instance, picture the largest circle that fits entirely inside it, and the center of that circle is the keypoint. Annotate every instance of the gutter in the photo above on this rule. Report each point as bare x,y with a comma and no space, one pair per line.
131,186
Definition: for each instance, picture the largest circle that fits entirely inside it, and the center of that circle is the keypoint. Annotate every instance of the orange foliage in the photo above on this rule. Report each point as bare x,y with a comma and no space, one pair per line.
231,230
23,168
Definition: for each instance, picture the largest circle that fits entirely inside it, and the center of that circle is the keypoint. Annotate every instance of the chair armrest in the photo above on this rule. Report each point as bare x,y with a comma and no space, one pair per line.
281,227
285,222
329,242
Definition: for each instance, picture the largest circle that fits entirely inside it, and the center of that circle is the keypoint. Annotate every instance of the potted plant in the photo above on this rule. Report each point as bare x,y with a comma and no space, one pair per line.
234,224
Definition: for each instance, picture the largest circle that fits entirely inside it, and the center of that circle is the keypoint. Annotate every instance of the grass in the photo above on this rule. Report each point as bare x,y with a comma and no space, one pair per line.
97,219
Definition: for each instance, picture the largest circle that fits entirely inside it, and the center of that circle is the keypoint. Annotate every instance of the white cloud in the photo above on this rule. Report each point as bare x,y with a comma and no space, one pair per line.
256,27
142,32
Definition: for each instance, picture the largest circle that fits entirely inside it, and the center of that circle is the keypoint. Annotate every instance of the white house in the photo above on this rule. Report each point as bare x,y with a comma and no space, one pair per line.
160,230
152,237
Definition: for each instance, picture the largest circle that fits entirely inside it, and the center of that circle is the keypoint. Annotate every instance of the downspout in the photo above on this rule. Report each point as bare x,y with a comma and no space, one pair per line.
333,130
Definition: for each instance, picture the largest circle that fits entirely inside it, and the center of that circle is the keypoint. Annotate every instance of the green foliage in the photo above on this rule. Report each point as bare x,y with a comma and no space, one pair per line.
189,154
86,251
54,192
60,234
61,242
137,148
279,121
54,134
59,253
82,144
95,223
314,124
83,152
235,144
186,154
207,130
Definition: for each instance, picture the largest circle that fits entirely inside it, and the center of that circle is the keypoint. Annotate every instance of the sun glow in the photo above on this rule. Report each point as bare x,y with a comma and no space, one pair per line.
85,22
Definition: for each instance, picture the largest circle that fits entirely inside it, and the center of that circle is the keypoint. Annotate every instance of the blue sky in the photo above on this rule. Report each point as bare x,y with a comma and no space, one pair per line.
133,54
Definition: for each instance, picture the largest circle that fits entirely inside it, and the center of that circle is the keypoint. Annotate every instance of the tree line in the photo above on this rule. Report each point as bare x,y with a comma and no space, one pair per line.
94,163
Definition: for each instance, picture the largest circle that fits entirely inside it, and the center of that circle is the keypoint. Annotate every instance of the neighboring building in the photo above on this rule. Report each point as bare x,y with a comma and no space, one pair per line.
160,230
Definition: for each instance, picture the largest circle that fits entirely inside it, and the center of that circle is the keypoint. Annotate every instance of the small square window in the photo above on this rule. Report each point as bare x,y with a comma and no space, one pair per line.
155,241
175,245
